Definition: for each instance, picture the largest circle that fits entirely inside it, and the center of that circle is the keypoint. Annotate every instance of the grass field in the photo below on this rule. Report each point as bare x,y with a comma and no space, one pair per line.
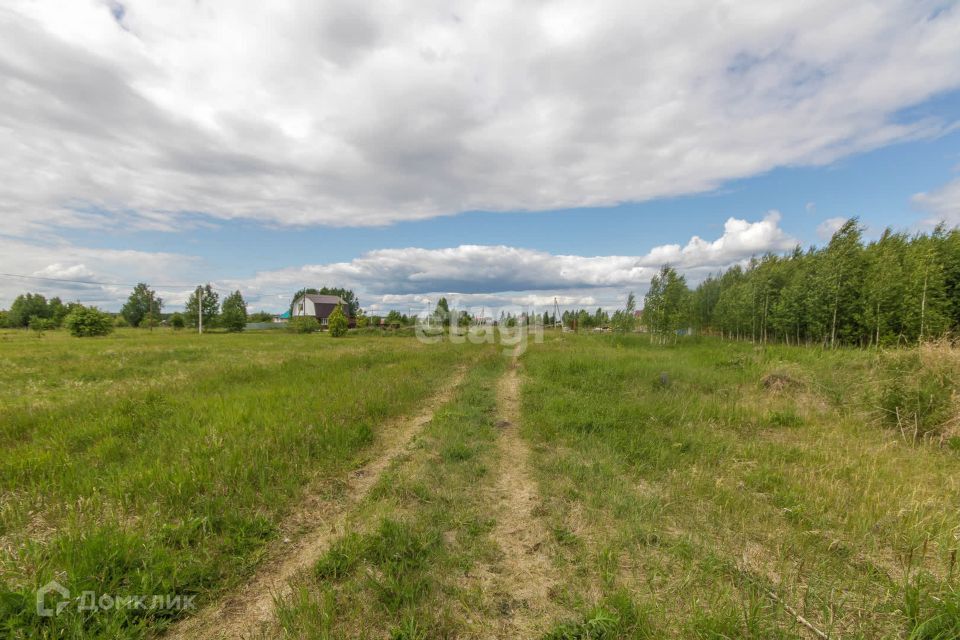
597,487
154,463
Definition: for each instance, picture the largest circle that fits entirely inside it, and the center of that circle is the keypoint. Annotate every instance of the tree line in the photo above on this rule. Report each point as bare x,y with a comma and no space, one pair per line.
899,289
143,308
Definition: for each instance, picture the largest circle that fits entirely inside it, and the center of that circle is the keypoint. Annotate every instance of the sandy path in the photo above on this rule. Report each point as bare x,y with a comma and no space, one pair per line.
320,519
525,575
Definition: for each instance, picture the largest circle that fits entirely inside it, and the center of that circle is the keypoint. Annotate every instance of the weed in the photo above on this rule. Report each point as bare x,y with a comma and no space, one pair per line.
931,616
916,395
617,618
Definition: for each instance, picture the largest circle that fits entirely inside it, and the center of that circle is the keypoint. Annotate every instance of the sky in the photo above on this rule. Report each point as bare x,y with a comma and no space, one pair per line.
501,154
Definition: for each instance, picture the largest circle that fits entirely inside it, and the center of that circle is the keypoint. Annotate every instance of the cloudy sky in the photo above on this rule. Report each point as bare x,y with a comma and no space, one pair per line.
502,153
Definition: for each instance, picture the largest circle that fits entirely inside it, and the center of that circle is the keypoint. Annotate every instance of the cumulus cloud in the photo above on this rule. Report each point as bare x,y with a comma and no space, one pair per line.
347,113
529,277
828,227
943,203
469,275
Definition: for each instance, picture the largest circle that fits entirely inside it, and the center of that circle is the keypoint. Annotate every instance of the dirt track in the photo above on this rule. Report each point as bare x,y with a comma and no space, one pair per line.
319,519
525,575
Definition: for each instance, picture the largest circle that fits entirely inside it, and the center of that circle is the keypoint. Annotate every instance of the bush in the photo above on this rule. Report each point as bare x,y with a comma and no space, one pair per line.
40,325
916,394
338,323
303,324
120,321
85,322
176,321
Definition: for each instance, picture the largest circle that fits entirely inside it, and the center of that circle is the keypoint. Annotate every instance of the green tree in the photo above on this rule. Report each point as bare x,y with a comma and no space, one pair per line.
666,305
950,256
211,303
840,282
58,311
337,322
233,313
260,316
142,303
883,288
40,325
441,313
624,320
926,308
86,322
26,306
176,321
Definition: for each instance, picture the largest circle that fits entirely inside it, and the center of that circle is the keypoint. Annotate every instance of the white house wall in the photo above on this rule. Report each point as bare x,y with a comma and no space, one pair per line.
309,309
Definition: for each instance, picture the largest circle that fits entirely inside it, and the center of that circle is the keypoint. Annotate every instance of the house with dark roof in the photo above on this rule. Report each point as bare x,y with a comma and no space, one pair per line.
320,307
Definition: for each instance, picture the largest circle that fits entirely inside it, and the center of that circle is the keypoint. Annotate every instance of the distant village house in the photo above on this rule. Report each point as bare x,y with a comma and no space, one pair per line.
320,307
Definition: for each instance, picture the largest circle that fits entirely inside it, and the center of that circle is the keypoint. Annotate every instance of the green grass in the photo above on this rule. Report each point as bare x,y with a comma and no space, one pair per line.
680,485
161,463
400,567
695,480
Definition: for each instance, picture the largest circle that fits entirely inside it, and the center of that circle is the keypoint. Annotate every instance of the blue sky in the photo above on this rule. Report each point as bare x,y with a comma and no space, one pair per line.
404,153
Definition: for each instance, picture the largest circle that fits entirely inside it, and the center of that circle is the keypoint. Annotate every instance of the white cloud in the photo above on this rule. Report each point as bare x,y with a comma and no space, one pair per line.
943,203
351,113
469,275
95,272
828,227
524,277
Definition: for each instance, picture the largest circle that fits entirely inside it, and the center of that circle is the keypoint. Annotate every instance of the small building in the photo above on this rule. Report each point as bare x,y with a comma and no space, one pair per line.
320,307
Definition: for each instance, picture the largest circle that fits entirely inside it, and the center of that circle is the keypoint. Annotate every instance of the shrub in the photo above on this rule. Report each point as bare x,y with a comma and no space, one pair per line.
176,321
916,394
931,617
303,324
120,321
338,323
84,322
40,325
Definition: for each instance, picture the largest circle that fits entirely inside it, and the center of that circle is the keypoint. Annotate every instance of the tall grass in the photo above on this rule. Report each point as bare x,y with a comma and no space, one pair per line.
158,463
399,570
707,475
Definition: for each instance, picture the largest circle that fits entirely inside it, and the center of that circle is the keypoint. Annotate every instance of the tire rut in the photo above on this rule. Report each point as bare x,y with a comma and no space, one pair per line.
243,612
525,576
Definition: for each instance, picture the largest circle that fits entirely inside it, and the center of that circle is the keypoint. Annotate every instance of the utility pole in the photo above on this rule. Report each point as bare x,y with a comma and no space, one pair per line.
200,310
